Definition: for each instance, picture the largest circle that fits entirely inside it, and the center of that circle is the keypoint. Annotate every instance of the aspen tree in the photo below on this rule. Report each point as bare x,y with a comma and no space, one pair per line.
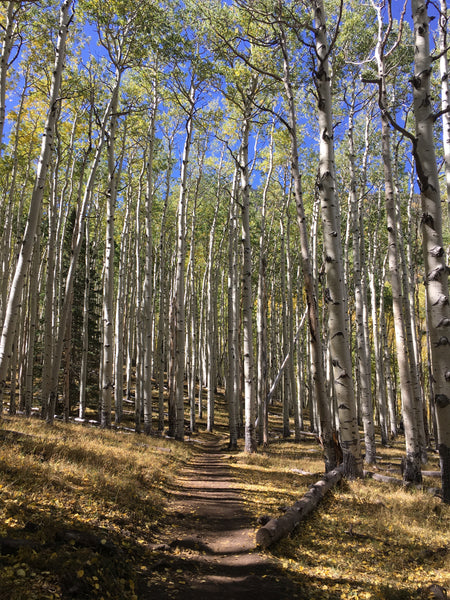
247,296
233,365
360,300
147,291
85,330
84,197
178,318
163,292
317,366
26,249
445,94
119,319
211,306
287,392
335,293
436,269
192,319
261,315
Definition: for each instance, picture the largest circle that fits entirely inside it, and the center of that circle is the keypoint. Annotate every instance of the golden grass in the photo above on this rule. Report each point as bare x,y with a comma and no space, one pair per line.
108,485
367,540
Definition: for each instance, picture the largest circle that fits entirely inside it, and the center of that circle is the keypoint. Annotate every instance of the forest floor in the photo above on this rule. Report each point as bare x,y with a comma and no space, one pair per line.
89,514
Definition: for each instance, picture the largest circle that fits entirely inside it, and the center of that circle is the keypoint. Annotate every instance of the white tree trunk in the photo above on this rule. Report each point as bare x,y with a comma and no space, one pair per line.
179,331
436,269
317,365
445,95
233,381
336,294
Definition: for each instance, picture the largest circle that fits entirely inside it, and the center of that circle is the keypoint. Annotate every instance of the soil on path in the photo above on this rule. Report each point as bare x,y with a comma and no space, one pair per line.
210,551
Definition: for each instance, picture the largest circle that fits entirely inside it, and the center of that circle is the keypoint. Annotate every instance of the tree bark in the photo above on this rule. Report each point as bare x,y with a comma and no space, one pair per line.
436,269
336,294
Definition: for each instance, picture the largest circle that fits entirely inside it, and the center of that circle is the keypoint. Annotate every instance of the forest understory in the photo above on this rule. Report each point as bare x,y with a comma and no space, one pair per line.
90,513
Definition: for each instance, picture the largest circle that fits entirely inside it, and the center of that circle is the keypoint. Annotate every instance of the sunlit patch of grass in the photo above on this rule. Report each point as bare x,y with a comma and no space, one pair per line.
107,485
366,540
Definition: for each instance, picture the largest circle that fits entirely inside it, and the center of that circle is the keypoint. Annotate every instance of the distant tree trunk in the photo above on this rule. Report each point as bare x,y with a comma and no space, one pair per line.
179,325
286,399
211,307
114,168
247,296
77,240
33,294
147,299
138,322
233,375
163,304
28,239
261,315
191,302
119,320
436,270
85,330
359,270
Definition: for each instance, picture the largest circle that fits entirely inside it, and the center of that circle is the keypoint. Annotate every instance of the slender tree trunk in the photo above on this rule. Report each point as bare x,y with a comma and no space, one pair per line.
317,366
247,296
77,240
163,305
365,378
233,320
412,469
85,331
286,400
179,331
147,300
261,316
119,320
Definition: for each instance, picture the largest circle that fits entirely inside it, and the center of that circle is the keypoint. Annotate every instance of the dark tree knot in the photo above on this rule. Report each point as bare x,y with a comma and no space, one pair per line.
441,400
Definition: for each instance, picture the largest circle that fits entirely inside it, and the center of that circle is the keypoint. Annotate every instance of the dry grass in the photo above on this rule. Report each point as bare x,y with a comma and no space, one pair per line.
367,540
107,486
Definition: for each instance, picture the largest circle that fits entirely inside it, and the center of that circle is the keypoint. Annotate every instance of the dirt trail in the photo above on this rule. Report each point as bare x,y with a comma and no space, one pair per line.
210,551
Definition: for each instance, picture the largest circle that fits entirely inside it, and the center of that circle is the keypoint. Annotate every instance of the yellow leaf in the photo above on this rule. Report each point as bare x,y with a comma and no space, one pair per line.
80,573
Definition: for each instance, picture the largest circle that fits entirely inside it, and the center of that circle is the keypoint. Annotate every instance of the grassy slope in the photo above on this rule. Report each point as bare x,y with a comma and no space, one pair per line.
69,478
367,540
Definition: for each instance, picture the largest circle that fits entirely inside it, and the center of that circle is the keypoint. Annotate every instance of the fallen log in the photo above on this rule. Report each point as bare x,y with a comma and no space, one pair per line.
280,527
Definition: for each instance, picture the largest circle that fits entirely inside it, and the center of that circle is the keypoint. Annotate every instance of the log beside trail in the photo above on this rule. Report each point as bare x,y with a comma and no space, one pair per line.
280,527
